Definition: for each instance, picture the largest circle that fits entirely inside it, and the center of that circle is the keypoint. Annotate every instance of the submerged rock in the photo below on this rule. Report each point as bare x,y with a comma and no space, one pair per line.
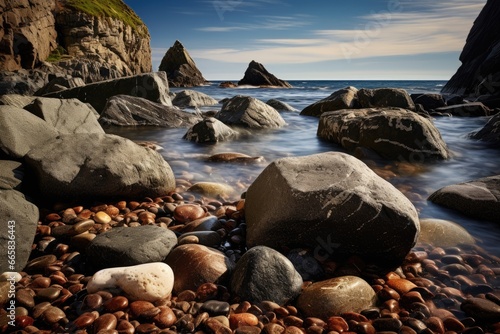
209,130
443,233
280,106
490,132
332,203
257,75
345,98
478,198
180,67
393,133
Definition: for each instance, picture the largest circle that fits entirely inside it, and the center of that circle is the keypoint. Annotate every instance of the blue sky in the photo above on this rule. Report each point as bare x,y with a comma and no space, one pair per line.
299,40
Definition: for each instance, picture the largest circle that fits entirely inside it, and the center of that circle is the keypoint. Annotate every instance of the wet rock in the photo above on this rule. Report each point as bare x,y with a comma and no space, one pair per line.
180,67
209,130
186,213
206,238
125,246
429,101
99,166
211,189
333,204
490,132
384,98
19,222
264,274
280,105
443,233
478,198
336,296
257,75
151,86
11,175
481,309
123,110
392,133
249,112
20,131
473,109
233,157
212,266
215,308
345,98
193,99
146,282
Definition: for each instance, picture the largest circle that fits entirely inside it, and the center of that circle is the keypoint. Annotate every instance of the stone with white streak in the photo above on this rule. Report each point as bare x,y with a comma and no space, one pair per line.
393,133
148,282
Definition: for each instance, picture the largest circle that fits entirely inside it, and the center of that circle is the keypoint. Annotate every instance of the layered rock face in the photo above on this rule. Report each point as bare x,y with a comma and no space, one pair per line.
181,68
28,33
479,75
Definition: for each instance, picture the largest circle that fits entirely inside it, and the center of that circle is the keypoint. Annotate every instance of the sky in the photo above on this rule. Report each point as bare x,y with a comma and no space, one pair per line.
314,40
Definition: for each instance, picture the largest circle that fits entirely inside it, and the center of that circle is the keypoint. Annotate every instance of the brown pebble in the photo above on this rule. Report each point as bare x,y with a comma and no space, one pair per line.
292,320
311,321
388,293
166,318
407,330
436,325
206,292
401,285
53,315
186,295
242,319
39,309
354,316
453,324
93,301
364,328
84,320
140,307
40,263
106,321
23,321
125,327
337,324
69,215
250,330
49,294
217,327
146,328
273,329
188,212
243,307
52,217
25,297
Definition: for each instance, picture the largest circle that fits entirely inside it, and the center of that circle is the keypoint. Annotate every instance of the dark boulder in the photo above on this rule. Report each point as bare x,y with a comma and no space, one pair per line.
180,67
257,75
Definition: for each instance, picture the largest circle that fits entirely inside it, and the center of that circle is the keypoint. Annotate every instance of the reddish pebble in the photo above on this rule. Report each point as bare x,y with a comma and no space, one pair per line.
117,303
237,320
273,329
23,321
435,324
106,321
337,324
188,212
206,292
138,307
292,330
453,324
84,320
166,318
401,285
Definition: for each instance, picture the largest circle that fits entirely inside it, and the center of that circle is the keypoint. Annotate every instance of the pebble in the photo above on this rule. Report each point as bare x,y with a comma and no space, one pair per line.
105,322
53,315
149,282
188,212
401,285
102,217
215,308
481,309
237,320
166,318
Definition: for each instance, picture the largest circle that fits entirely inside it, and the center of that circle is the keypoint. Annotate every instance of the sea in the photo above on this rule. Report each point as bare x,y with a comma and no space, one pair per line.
470,159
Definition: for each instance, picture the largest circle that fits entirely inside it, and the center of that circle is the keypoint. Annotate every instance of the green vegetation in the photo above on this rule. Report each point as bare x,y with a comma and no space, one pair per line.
56,54
111,8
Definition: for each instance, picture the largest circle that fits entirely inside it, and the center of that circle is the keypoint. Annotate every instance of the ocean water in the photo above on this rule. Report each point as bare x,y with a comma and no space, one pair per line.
470,159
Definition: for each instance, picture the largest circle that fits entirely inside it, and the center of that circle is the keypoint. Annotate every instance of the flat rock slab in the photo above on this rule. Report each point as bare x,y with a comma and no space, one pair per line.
91,166
478,199
127,246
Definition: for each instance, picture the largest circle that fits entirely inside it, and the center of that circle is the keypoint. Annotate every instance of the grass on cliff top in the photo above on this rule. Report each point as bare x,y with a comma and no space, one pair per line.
111,8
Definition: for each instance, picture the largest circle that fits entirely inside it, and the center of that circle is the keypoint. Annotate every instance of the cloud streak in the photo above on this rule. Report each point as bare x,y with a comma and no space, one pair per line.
409,29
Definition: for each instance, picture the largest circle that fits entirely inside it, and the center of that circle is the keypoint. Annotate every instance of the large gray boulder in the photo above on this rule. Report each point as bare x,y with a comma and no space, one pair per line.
93,166
332,203
385,97
151,86
265,274
473,109
345,98
66,116
249,112
20,131
478,198
209,130
191,98
393,133
11,174
490,132
113,248
124,110
19,222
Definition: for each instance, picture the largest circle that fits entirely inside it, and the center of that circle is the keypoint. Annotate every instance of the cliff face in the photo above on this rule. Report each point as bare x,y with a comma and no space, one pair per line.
34,28
27,33
479,75
181,68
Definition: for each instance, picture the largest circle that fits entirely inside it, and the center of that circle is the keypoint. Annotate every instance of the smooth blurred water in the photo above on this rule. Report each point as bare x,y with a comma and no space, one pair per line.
470,159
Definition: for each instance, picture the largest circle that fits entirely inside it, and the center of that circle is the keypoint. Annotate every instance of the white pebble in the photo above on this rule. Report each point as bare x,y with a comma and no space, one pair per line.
8,275
149,282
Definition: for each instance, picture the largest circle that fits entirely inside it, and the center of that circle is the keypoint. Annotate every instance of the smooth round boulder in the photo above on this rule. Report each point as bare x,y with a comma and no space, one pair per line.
264,274
331,203
126,246
336,296
99,166
443,233
148,282
194,265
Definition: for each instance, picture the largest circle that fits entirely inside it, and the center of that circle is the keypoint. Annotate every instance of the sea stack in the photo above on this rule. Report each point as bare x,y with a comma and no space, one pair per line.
479,76
181,68
257,75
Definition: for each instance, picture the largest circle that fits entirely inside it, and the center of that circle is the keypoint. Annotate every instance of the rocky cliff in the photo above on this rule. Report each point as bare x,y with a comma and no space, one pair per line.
181,68
479,76
107,33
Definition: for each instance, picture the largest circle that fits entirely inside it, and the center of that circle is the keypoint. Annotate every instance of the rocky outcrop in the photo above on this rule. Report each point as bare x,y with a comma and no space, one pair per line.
280,105
151,86
490,132
393,133
384,98
478,77
429,101
345,98
478,198
181,68
92,166
124,110
209,130
193,99
257,75
27,34
331,203
60,82
249,112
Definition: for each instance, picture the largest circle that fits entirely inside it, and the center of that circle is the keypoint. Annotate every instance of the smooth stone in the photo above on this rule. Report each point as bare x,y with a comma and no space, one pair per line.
93,301
215,308
49,294
140,307
212,266
206,238
336,296
24,297
210,223
166,318
40,263
186,213
481,309
102,217
53,314
443,233
211,189
237,320
248,330
233,157
115,304
280,105
387,325
216,326
264,274
149,282
401,285
105,322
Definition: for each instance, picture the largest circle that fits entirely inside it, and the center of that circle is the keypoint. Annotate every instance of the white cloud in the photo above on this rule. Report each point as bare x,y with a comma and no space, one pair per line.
263,22
409,29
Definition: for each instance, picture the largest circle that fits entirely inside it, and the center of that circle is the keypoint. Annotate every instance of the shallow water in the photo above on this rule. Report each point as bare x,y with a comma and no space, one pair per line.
470,159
